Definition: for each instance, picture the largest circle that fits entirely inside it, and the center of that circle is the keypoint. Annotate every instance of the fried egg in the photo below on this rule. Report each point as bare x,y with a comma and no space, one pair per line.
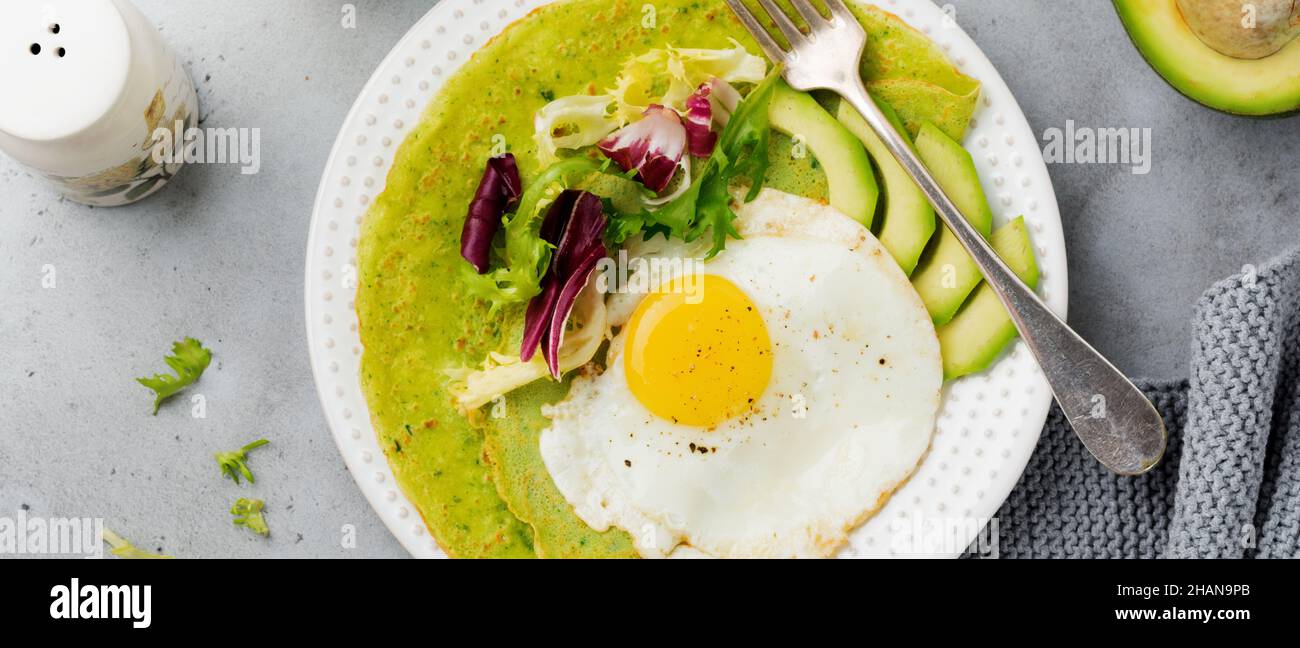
763,406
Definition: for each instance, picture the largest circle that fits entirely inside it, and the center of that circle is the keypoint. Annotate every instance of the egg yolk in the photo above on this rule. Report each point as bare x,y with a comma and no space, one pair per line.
697,363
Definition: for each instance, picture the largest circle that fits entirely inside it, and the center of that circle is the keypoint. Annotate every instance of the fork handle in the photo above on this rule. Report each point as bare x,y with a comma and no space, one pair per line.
1110,415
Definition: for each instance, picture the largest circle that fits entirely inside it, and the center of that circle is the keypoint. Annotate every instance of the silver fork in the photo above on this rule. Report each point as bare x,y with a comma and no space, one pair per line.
1112,417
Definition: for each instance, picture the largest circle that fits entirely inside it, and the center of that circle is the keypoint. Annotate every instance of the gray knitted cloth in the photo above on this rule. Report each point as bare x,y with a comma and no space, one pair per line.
1229,486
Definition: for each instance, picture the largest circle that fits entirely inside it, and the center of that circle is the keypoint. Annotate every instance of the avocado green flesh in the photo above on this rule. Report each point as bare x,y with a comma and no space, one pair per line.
851,186
1258,87
479,482
974,338
908,221
946,274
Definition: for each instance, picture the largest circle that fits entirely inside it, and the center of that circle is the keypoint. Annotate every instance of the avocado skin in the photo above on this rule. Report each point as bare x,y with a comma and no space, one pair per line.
1279,98
946,274
974,338
851,185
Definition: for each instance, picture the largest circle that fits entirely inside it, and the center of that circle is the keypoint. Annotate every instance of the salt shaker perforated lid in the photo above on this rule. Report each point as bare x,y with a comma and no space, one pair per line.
64,70
86,83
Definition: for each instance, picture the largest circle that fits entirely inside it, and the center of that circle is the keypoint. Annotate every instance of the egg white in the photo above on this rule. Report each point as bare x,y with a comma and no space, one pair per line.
845,419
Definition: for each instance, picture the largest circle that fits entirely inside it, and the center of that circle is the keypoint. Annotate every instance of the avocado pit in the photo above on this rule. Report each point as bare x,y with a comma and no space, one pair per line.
1245,30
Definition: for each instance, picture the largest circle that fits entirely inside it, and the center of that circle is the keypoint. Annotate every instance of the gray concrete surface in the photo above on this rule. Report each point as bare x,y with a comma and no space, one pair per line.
219,256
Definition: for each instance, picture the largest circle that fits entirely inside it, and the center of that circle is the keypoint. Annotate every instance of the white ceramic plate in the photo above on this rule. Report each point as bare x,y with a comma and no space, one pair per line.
989,423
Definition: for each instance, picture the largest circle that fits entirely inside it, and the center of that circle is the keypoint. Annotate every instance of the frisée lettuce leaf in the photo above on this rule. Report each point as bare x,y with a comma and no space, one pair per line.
680,71
189,359
572,122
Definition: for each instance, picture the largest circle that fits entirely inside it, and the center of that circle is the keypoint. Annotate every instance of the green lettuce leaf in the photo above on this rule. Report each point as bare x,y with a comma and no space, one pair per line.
248,513
234,464
188,360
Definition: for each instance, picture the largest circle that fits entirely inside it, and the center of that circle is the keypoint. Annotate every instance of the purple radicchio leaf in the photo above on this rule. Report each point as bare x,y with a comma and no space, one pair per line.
698,121
537,319
497,192
564,305
652,146
575,224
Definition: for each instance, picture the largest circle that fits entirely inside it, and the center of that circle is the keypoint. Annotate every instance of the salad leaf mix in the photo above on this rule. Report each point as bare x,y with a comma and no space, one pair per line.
540,243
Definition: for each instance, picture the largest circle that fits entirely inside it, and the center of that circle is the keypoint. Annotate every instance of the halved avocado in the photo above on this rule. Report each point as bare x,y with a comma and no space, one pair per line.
851,186
946,274
1262,86
972,340
908,221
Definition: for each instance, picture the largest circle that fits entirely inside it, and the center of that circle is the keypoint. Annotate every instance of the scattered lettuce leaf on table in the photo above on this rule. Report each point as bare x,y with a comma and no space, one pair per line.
120,547
189,359
248,513
234,464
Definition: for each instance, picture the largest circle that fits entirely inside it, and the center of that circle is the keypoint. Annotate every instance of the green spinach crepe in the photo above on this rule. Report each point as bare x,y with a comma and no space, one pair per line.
478,480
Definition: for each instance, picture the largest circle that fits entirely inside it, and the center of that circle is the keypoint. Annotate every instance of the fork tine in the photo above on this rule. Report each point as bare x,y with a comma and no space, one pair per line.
839,10
783,23
844,17
756,29
809,13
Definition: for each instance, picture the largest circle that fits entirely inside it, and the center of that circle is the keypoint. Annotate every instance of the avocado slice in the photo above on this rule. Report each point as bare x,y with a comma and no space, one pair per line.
972,340
851,186
908,221
1262,86
946,274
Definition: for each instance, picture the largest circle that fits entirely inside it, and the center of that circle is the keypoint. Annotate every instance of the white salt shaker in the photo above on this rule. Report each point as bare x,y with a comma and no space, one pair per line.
84,84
